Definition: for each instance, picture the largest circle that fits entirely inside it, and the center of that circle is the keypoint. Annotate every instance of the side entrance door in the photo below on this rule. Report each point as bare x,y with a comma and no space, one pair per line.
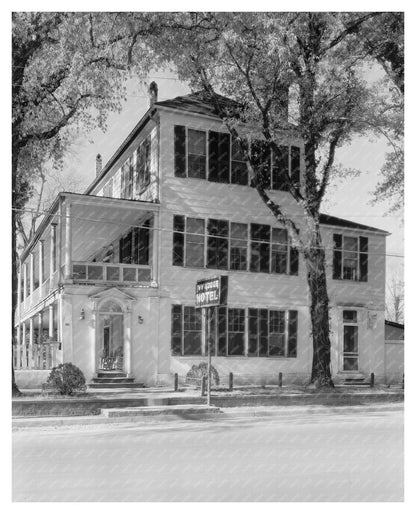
350,340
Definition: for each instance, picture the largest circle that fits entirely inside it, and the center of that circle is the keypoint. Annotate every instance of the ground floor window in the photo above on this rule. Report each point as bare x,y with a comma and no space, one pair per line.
236,332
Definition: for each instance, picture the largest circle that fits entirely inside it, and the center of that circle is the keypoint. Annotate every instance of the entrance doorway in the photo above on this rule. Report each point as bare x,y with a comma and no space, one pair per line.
111,337
350,341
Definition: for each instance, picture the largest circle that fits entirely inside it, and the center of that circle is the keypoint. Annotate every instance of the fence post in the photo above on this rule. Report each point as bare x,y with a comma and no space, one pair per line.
280,379
203,385
372,380
231,382
175,382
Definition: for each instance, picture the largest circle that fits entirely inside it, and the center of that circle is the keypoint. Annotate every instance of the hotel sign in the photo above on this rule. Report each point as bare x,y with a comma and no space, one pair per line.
211,292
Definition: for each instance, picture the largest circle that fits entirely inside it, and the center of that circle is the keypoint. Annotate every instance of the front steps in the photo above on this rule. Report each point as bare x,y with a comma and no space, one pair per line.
184,411
114,380
356,380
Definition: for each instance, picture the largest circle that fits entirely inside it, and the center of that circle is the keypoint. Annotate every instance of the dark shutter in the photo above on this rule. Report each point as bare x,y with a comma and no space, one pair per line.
222,331
280,168
292,334
294,260
253,332
264,333
135,246
178,240
176,339
213,152
295,165
363,258
219,157
180,151
143,243
126,249
337,258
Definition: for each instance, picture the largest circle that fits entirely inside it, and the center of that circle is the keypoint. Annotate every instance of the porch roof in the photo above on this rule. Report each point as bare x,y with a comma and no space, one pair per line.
95,219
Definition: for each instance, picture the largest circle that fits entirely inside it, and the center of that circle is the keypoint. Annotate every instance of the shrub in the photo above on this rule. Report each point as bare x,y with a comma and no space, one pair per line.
201,370
67,378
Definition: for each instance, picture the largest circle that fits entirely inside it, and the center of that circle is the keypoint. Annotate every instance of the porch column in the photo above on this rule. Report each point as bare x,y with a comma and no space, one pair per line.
23,342
31,359
68,242
51,327
24,283
128,317
52,265
155,246
32,273
39,346
41,242
18,345
19,292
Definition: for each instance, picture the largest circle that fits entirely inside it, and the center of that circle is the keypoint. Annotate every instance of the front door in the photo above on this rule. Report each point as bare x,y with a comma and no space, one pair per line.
111,339
350,341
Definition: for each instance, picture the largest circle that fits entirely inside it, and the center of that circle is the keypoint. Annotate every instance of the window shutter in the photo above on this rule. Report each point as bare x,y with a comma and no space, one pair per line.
219,157
176,339
292,334
294,260
337,258
295,165
178,240
180,151
363,259
213,154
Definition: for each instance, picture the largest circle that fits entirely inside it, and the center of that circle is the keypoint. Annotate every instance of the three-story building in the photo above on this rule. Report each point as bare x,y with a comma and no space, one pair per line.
108,280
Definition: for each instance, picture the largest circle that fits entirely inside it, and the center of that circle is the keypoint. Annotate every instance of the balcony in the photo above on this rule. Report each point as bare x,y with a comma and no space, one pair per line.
100,272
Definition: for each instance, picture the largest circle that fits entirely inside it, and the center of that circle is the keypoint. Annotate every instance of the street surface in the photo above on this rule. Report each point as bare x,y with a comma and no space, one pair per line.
321,456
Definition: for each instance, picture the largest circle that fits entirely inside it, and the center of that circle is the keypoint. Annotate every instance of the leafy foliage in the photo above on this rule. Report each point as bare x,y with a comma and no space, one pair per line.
67,378
201,370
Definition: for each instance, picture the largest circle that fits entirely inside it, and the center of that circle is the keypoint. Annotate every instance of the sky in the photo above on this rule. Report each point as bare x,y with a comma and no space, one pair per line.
348,198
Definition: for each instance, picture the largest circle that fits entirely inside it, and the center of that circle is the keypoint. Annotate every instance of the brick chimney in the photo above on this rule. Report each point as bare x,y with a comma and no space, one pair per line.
153,90
98,165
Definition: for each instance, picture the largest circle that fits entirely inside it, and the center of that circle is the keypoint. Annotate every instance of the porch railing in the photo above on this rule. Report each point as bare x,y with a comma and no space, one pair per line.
40,356
110,272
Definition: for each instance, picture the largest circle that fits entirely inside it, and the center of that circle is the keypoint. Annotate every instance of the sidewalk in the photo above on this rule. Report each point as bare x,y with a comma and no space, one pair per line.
92,405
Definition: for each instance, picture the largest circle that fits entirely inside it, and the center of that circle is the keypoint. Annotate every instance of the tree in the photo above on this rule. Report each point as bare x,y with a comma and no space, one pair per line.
263,60
395,300
68,71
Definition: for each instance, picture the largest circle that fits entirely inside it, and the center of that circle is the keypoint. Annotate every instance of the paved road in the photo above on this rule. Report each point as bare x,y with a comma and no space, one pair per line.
331,456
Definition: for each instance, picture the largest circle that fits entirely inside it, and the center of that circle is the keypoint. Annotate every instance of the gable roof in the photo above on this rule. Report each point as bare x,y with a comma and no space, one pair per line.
199,103
326,219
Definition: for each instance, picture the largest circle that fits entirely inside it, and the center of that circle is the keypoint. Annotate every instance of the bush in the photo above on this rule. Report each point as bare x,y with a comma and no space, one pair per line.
67,378
201,370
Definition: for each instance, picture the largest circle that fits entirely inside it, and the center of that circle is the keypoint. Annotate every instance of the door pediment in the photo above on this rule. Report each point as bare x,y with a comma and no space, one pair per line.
112,293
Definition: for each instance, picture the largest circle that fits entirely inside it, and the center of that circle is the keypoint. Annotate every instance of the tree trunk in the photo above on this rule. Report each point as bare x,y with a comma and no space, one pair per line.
15,389
319,309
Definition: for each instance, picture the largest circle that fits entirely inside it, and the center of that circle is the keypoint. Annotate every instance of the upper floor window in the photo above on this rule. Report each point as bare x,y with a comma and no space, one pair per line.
143,166
226,162
134,246
126,189
227,246
350,258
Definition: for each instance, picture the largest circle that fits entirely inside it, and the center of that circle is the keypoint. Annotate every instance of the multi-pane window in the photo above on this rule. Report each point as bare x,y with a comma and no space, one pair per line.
269,333
239,171
260,247
134,246
350,258
236,331
143,165
197,153
226,161
238,246
127,179
272,333
227,246
217,253
186,330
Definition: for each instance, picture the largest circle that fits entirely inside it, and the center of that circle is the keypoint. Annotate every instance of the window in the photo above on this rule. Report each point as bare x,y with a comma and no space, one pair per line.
125,249
260,158
238,246
239,171
272,333
186,330
217,254
280,169
260,248
236,331
350,258
127,179
143,165
108,189
226,246
134,246
197,152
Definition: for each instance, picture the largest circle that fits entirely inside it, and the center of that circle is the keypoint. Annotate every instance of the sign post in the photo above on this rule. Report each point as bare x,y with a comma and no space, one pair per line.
210,293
